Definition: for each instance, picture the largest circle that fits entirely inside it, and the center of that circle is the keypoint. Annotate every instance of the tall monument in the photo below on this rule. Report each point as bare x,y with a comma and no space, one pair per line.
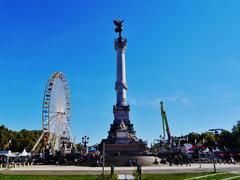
121,137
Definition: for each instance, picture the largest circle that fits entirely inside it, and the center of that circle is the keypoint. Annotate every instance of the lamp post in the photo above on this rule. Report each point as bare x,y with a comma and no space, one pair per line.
216,133
199,155
103,158
214,163
85,141
63,140
180,140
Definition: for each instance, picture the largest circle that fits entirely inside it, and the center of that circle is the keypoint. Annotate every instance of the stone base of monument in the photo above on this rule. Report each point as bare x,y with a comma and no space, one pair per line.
137,148
128,154
125,160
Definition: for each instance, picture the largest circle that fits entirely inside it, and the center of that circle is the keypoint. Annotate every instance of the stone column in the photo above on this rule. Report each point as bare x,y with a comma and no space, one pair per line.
121,85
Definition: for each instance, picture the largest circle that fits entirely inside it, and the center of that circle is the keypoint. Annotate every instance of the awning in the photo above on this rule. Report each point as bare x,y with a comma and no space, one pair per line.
7,154
24,153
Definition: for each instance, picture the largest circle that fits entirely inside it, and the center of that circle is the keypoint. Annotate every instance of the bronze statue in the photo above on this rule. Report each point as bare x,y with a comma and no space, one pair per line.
118,28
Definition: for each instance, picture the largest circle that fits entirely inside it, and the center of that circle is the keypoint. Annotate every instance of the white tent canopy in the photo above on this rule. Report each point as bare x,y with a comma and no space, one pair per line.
206,150
7,154
24,153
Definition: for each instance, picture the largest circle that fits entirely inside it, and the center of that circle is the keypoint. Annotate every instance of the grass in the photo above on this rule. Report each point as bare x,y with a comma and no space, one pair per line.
45,177
180,176
184,176
219,176
107,177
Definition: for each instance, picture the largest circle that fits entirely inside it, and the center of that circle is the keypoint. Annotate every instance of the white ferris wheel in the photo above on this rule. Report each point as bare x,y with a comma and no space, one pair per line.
56,114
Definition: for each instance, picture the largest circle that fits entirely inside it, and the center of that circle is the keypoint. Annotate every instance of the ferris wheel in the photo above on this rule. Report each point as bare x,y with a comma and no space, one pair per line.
56,114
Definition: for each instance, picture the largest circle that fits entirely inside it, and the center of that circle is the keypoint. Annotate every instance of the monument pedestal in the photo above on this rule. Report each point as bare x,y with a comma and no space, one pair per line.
133,149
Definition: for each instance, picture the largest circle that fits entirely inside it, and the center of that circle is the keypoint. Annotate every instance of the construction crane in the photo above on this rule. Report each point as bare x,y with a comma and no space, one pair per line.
165,124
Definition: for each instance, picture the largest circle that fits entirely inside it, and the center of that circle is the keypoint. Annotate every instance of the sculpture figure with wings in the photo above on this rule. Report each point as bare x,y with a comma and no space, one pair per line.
118,28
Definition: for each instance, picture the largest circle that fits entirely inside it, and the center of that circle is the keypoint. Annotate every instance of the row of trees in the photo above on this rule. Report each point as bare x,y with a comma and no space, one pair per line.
225,138
18,140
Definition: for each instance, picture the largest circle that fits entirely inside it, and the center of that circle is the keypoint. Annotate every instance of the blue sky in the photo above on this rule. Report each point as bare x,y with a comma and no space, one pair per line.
185,53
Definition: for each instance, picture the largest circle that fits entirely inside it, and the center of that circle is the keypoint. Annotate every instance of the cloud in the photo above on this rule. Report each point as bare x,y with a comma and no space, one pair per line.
179,97
227,95
222,91
86,111
100,112
223,95
233,108
186,102
145,102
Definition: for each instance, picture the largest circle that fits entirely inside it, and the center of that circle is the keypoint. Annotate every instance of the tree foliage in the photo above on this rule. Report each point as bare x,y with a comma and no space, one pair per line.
236,135
224,138
18,140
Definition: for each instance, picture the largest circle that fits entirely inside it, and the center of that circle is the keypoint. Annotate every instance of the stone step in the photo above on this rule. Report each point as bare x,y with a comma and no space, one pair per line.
125,177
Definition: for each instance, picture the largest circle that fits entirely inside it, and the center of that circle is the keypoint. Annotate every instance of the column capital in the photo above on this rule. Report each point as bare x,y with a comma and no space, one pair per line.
120,44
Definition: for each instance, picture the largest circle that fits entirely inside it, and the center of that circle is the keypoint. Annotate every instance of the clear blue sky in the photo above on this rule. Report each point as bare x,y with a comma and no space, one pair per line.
183,52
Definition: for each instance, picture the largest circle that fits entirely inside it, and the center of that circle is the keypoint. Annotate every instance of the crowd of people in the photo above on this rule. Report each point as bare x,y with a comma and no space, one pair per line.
187,154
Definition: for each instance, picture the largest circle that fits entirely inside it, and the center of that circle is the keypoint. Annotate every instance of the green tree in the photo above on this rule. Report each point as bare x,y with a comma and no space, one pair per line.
19,140
209,138
192,137
236,128
236,135
226,139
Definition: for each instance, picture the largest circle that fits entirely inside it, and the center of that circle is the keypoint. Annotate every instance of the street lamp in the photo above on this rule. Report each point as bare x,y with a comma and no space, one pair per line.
216,133
85,141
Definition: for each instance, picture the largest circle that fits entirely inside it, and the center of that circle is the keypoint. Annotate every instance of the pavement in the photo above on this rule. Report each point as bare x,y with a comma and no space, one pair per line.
125,177
78,170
